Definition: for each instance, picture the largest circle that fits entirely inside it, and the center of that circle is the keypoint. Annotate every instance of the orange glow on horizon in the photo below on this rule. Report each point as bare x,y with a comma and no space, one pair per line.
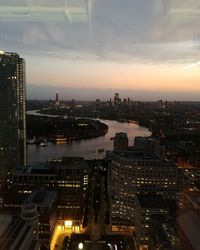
104,75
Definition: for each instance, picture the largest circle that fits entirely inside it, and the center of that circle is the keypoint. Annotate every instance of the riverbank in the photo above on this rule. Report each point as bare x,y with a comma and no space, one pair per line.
63,113
88,148
60,129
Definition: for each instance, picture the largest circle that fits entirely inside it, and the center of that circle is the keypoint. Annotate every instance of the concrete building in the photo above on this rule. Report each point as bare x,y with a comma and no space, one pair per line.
136,172
12,115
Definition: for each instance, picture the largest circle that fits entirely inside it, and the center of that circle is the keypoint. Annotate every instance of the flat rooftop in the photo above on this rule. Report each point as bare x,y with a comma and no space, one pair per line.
39,168
67,162
43,198
136,155
50,168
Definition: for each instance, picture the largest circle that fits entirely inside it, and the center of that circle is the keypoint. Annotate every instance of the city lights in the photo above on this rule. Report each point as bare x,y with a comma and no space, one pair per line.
101,150
80,246
68,223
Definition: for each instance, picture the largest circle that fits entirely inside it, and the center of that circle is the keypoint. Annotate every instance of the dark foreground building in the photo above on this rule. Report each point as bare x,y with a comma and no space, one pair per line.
58,189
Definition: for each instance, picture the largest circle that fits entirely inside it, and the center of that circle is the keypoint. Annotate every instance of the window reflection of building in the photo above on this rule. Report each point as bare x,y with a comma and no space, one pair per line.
66,10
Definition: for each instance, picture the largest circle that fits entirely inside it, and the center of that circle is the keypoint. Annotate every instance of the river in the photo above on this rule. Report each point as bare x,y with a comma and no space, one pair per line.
85,148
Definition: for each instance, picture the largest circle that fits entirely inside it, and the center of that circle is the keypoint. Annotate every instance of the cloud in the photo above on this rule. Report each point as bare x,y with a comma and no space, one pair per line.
145,30
191,66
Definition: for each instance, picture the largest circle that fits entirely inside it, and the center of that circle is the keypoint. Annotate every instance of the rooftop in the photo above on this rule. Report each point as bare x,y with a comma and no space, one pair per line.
67,162
189,222
136,155
40,168
11,235
121,135
50,167
8,55
43,198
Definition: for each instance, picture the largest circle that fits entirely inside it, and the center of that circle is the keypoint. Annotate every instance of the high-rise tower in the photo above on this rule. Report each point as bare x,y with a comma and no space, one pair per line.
12,112
57,100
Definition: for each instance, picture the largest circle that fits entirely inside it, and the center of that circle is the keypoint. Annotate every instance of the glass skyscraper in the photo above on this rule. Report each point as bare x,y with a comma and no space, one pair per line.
12,113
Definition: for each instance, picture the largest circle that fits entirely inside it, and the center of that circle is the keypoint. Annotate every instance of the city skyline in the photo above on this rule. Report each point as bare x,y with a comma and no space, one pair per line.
109,45
41,92
86,185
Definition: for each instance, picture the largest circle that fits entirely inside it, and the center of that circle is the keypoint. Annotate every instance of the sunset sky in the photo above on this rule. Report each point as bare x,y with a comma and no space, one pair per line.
146,45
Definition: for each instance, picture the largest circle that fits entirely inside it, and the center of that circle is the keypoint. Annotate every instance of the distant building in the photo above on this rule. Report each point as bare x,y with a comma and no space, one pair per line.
110,102
54,104
57,100
51,103
125,101
148,144
120,141
12,113
117,99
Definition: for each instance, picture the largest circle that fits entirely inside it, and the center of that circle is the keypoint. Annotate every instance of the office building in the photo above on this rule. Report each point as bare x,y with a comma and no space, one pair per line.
120,141
152,229
70,178
57,100
148,144
136,172
67,176
12,115
117,99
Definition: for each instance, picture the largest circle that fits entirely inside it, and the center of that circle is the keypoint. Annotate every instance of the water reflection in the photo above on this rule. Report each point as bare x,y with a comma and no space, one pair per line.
85,148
